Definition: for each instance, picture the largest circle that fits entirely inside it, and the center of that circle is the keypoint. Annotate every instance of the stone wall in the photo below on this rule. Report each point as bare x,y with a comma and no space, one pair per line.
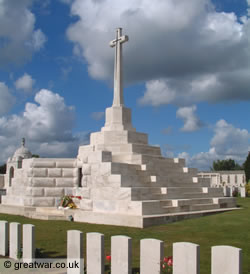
43,182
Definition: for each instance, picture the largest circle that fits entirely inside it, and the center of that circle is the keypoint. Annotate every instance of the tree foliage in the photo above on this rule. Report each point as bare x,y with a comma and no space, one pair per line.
3,169
228,164
247,167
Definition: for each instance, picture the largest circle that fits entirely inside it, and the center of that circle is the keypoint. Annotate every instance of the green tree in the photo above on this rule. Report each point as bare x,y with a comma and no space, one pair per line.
228,164
247,167
3,169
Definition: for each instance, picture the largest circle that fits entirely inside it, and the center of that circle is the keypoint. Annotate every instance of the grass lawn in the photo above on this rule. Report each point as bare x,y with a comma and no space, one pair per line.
229,228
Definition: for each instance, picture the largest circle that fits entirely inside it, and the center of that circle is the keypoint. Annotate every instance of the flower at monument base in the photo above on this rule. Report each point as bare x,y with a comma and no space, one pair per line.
67,202
108,258
77,197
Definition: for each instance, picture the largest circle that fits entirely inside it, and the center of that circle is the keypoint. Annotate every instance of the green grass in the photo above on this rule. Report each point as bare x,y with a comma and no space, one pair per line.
229,228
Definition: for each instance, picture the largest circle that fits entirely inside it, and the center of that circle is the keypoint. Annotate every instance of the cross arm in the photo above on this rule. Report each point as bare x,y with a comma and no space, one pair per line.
121,39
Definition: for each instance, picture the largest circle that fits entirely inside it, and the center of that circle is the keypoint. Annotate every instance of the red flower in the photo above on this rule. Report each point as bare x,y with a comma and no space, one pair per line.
163,266
170,261
108,258
165,260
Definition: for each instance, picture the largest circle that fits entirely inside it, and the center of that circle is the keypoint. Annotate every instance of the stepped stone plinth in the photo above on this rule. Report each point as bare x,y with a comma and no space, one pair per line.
121,178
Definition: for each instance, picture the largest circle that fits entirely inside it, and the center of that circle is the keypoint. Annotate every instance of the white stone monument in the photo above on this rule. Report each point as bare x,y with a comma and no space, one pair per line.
121,179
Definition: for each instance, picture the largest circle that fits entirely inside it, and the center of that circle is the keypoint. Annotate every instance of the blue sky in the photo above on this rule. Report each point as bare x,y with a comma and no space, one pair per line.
186,74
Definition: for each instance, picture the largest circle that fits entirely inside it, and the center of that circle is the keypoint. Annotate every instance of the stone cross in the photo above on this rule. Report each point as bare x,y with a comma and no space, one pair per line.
118,88
23,142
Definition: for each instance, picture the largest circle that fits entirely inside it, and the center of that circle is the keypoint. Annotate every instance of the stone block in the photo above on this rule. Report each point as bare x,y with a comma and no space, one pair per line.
15,241
66,163
86,204
54,172
44,201
28,243
121,255
43,182
186,258
84,192
118,118
86,169
66,182
42,163
27,201
95,253
54,192
226,259
100,156
151,256
39,172
69,191
111,193
37,191
4,243
69,172
75,251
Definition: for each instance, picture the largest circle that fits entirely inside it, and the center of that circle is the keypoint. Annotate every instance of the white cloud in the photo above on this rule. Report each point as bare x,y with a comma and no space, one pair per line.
186,51
25,82
158,93
6,99
18,36
47,125
97,115
227,142
191,121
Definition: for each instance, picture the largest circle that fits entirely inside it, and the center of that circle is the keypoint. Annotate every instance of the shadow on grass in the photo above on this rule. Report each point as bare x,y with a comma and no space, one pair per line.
107,270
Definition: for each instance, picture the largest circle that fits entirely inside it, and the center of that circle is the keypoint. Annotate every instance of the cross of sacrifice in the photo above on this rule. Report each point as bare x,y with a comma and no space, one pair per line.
118,86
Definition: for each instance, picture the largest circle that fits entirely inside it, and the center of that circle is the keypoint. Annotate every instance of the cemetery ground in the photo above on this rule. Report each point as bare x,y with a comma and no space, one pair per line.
229,228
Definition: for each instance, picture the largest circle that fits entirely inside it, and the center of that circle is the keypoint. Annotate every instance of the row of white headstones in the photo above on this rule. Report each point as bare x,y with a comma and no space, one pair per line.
224,259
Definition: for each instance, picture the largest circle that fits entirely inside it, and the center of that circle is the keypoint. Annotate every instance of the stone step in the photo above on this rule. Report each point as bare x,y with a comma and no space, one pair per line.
181,202
198,207
45,216
131,149
161,193
142,159
200,195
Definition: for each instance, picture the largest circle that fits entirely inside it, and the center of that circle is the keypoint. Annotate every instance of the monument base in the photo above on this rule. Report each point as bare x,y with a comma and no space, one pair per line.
106,218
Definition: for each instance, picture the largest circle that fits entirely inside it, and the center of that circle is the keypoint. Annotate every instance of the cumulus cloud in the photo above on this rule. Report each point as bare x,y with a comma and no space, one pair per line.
18,36
97,115
191,121
47,125
6,99
25,82
186,51
227,142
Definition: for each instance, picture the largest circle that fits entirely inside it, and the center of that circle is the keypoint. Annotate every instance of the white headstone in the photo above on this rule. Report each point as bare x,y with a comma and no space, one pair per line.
4,232
28,243
121,254
243,192
151,256
186,258
15,241
95,253
227,191
75,252
226,259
